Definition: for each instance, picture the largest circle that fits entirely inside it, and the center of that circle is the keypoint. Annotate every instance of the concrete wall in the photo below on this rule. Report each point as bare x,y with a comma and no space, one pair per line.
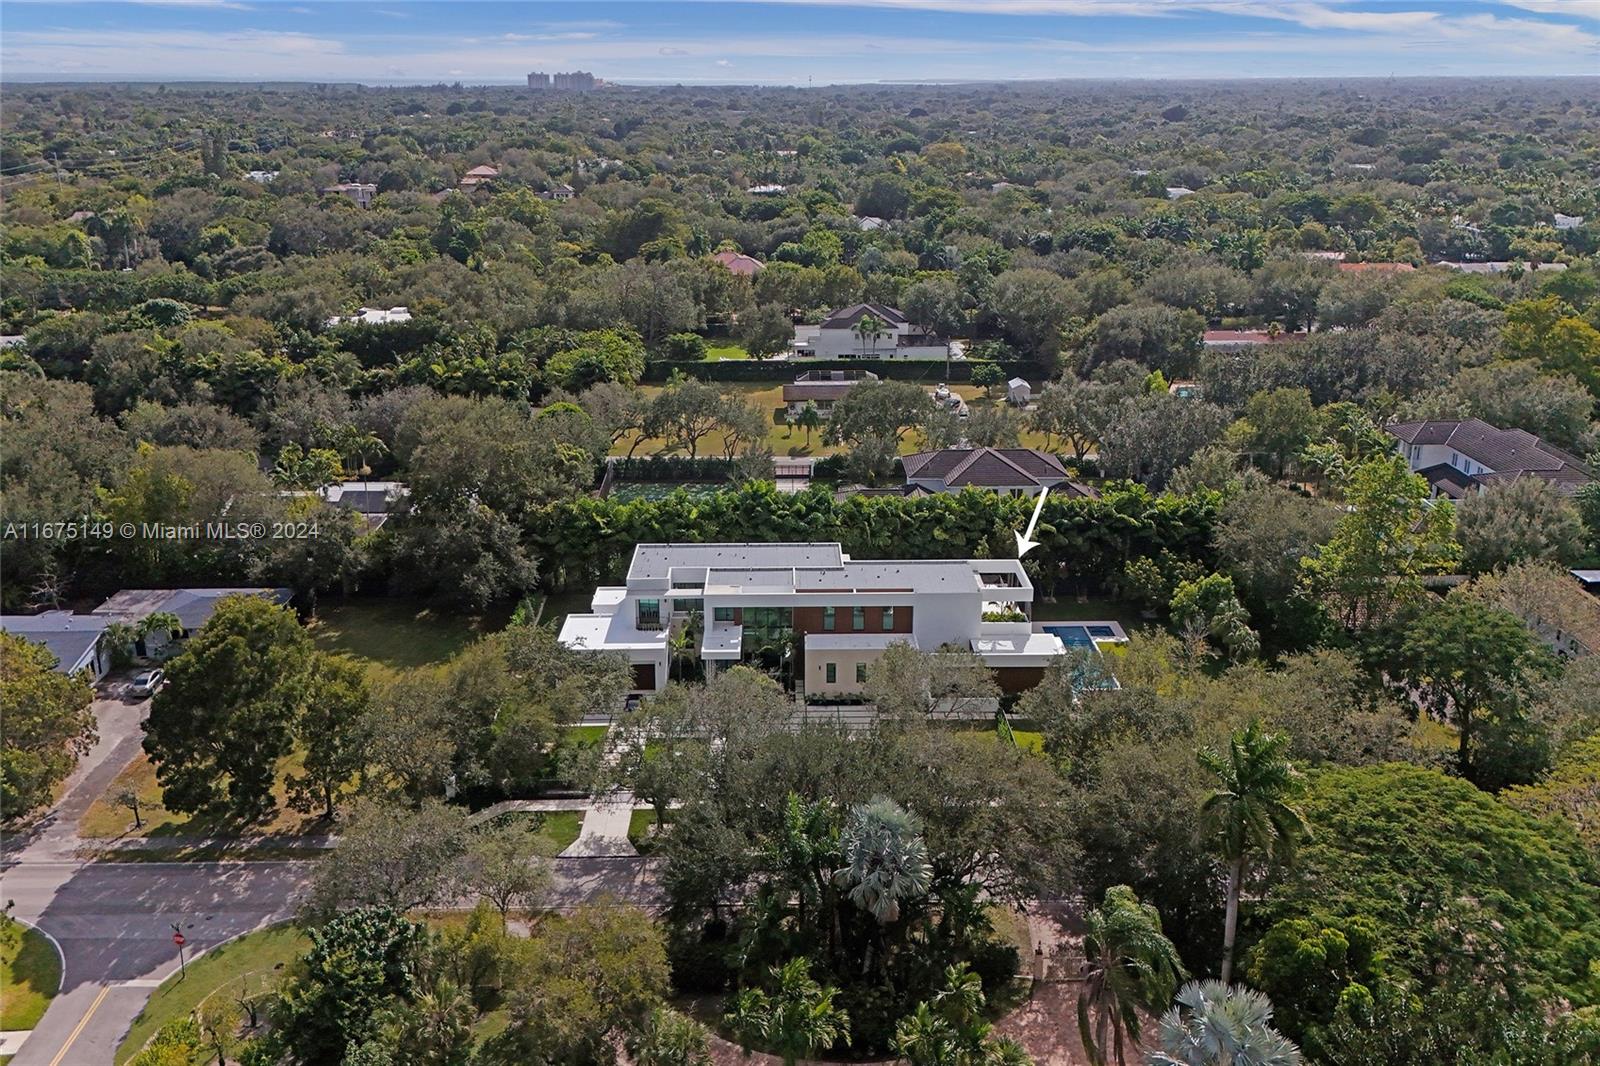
845,661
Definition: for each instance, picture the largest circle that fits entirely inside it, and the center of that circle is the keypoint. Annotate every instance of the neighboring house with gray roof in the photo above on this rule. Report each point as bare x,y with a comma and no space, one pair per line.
192,607
74,639
822,389
374,501
1008,471
1467,456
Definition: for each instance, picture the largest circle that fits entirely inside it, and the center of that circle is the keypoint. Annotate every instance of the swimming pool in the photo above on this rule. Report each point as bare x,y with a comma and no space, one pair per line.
1072,636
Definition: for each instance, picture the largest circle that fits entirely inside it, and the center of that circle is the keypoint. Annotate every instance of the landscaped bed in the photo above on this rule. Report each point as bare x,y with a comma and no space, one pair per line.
251,963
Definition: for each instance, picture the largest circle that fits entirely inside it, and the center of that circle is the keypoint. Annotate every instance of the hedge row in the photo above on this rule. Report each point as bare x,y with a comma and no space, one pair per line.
658,468
588,541
774,372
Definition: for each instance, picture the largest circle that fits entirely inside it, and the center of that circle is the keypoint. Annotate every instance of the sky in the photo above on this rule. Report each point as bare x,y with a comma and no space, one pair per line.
794,42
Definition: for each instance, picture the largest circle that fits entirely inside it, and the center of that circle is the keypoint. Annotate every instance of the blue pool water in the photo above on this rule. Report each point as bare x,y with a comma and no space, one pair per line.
1076,636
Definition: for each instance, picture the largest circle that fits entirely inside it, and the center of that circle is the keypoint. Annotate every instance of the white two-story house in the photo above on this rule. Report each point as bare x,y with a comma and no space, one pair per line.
1459,458
869,331
811,614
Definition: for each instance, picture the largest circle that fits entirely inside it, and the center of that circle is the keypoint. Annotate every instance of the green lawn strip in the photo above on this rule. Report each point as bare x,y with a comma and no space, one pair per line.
585,734
1066,608
726,351
209,853
641,828
398,634
30,974
107,819
557,828
255,959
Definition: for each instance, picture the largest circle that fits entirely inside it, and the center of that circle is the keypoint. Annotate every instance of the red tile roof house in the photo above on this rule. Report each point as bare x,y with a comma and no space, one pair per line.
1009,471
746,265
1462,457
1241,338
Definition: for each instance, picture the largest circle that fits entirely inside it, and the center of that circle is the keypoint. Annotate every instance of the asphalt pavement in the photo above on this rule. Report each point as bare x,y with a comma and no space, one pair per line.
112,921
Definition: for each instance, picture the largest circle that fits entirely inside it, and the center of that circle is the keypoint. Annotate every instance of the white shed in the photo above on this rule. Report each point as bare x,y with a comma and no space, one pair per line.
1018,392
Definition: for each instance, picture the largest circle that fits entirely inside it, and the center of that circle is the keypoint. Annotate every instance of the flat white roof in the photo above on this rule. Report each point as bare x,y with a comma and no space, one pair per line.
722,642
658,561
614,632
856,641
1019,646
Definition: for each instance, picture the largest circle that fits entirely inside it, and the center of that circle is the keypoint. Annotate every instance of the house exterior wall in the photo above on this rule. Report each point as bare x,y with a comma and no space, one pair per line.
845,661
844,343
1422,456
936,485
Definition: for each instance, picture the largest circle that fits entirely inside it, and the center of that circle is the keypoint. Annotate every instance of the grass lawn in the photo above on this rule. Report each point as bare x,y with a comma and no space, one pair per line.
1066,608
106,819
30,974
726,351
1026,739
556,828
585,734
253,961
790,440
640,830
555,606
398,634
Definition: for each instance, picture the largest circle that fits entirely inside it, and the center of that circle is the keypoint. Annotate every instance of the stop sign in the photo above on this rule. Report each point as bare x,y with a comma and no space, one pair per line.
177,938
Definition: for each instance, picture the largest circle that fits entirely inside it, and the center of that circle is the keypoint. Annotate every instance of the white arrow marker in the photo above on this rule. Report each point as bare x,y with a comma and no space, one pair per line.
1024,545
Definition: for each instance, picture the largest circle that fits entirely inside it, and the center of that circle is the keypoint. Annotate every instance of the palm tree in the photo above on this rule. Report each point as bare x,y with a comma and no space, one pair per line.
668,1038
886,860
796,1020
1250,811
868,329
1214,1025
810,420
1132,967
925,1038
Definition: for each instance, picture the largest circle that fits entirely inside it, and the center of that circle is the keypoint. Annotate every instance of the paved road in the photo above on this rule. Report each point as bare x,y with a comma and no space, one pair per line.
112,921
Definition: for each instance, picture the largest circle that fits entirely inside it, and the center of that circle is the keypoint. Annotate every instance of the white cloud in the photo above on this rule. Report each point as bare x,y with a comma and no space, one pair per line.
1589,9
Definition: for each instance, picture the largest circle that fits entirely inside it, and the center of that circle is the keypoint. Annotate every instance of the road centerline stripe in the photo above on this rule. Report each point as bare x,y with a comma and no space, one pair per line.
82,1023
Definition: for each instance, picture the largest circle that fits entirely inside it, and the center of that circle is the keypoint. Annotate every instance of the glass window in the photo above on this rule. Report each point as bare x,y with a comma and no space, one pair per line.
888,619
649,612
828,620
722,614
861,673
858,618
687,606
831,671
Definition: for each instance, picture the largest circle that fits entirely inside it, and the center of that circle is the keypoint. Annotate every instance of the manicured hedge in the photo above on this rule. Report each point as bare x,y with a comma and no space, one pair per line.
588,541
781,371
654,468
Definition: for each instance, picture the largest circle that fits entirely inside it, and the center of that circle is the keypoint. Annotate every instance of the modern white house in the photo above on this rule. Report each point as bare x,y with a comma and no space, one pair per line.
1462,457
1008,471
822,389
842,335
373,316
811,614
361,193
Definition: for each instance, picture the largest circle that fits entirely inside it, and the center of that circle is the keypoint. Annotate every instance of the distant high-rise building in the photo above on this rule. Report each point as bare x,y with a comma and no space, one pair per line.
576,81
537,80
